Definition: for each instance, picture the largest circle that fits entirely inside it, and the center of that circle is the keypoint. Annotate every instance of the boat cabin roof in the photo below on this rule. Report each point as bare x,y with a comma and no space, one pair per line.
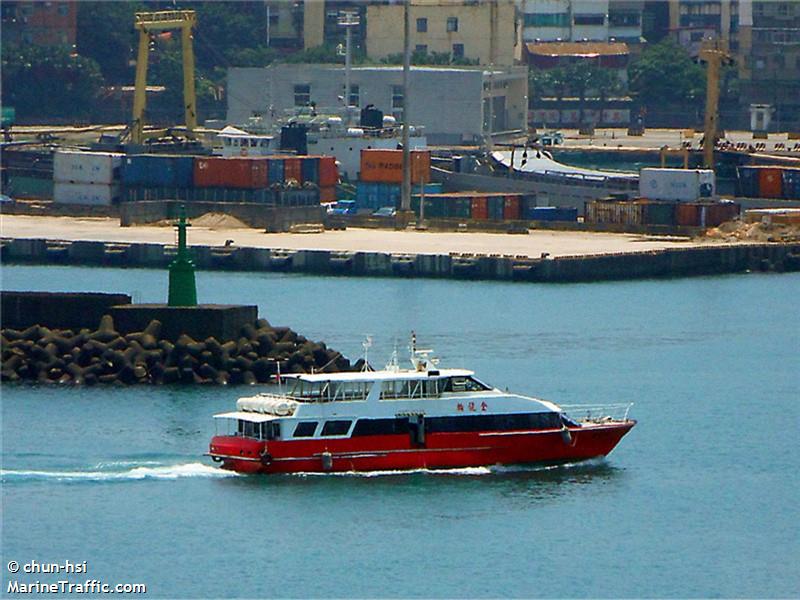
384,375
253,417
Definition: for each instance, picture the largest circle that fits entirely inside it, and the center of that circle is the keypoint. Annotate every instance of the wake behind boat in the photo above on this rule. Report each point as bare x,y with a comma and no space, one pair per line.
422,417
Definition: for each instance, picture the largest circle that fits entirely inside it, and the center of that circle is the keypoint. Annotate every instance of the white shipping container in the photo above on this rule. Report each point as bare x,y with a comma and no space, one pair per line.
85,193
686,185
86,167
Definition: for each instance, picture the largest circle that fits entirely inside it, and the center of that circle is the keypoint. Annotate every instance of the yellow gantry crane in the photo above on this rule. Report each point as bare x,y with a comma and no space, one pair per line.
714,54
152,22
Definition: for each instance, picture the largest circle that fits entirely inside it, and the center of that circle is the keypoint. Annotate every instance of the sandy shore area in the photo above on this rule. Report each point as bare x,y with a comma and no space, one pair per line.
556,243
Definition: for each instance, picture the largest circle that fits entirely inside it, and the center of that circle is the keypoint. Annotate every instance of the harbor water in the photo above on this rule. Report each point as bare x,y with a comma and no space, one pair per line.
699,500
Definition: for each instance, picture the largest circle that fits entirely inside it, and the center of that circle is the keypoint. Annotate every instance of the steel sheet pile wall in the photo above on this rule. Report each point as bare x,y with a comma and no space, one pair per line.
86,177
775,182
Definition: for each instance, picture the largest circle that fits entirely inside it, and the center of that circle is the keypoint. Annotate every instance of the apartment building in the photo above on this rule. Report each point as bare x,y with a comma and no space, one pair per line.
40,23
692,21
478,30
582,20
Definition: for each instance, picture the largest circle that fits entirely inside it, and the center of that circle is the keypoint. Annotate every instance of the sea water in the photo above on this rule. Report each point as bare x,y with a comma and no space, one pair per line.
699,500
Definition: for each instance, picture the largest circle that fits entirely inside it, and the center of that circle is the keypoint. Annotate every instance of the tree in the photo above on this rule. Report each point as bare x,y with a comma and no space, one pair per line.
665,74
49,82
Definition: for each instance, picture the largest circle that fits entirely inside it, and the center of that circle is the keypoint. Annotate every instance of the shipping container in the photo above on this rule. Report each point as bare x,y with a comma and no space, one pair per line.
292,169
386,166
496,205
86,193
230,172
688,215
275,169
298,197
791,184
327,194
27,186
86,167
328,172
309,169
659,213
717,213
157,170
552,213
511,209
480,208
614,212
770,182
686,185
747,182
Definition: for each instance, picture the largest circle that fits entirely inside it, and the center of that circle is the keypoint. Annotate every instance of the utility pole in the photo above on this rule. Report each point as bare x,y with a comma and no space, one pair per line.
714,54
348,20
405,191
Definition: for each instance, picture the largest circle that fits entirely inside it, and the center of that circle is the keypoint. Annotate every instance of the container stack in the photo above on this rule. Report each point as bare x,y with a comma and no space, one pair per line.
86,177
641,212
273,180
769,181
480,206
386,166
373,196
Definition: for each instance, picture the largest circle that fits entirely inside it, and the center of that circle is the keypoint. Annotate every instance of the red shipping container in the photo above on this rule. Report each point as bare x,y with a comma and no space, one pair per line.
480,208
770,182
238,173
511,208
293,169
327,194
328,172
688,214
721,212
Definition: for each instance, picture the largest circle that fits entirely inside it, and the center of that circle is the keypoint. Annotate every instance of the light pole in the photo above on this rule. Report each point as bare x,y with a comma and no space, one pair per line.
405,191
348,19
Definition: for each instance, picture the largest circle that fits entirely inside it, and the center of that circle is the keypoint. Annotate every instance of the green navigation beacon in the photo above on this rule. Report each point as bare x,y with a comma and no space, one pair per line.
182,287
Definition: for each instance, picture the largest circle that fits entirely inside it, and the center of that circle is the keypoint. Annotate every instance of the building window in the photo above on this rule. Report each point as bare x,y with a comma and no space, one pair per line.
302,94
26,10
452,24
546,20
397,97
589,19
421,48
696,36
422,25
624,19
63,9
458,50
783,9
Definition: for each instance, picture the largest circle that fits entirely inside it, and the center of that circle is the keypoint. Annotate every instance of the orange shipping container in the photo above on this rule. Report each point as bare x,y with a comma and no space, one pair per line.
327,194
293,169
480,208
511,208
770,183
687,214
328,173
386,166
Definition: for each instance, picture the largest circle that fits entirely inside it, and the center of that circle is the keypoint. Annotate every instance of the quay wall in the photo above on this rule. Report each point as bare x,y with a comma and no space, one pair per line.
676,262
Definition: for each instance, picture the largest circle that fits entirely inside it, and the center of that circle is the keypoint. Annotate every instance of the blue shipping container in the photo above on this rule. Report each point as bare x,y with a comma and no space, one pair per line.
552,213
158,170
309,169
791,184
275,170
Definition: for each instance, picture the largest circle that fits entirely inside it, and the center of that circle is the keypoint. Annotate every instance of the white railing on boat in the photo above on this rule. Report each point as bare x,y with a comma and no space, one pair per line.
597,413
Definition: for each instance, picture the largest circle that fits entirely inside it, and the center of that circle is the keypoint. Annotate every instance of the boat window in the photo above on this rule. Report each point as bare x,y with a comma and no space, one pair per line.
463,384
227,141
305,429
336,428
331,391
410,388
510,422
249,429
398,425
270,430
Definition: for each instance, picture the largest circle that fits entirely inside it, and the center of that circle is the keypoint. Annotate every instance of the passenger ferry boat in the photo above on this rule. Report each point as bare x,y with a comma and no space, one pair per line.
398,419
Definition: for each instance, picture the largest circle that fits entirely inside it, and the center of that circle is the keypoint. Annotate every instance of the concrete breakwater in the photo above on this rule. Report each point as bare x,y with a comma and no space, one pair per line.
670,262
106,356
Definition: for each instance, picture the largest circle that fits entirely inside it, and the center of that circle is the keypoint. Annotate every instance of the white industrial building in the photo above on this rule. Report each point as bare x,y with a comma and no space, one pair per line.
453,105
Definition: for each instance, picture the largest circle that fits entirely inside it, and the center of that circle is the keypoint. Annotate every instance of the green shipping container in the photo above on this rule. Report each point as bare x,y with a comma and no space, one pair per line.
21,186
659,213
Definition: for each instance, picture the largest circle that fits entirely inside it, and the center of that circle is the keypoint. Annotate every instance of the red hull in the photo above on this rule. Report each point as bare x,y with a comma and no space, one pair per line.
441,450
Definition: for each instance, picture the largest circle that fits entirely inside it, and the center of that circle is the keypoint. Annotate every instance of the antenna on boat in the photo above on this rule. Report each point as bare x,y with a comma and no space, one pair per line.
367,344
393,364
421,359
